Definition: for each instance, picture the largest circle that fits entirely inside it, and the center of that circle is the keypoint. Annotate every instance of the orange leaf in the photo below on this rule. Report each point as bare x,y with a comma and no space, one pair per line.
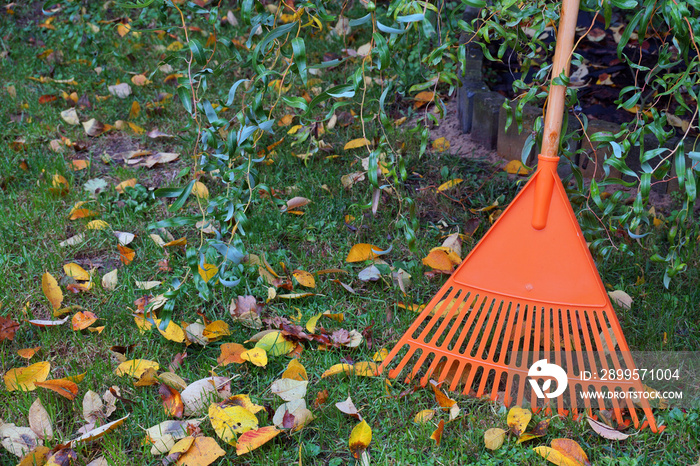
28,353
79,164
438,260
64,387
437,434
253,439
135,110
176,242
443,400
127,183
83,320
126,254
295,371
172,402
231,353
82,213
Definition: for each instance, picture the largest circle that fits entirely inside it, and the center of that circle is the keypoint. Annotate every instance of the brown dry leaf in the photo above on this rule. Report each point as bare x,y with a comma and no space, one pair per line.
8,328
348,407
93,128
64,387
605,431
24,378
172,402
161,158
231,354
621,298
246,310
494,437
51,290
321,398
82,320
295,203
253,439
39,420
360,438
355,143
518,419
437,434
121,91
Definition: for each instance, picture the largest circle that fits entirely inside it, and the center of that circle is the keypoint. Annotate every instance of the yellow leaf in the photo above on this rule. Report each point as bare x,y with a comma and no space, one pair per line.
556,457
424,96
215,330
380,355
135,110
366,369
441,144
201,452
362,252
135,367
253,439
172,332
97,225
130,183
360,438
294,129
135,128
571,450
449,184
305,278
199,189
208,271
123,29
355,143
518,419
140,80
126,254
337,369
275,344
76,272
51,290
516,167
230,421
24,378
257,356
424,416
493,438
176,242
295,371
64,387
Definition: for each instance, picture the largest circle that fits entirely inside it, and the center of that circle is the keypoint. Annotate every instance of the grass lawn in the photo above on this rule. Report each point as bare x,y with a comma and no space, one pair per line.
81,52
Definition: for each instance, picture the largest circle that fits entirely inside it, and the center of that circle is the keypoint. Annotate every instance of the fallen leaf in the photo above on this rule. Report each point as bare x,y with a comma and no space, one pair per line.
198,394
443,400
295,371
26,353
172,402
338,369
293,415
216,330
36,457
126,255
93,128
109,280
231,354
253,439
24,378
518,419
362,252
140,80
230,421
121,91
494,438
97,225
360,438
8,328
135,367
355,143
289,389
295,203
70,116
437,434
51,290
348,407
621,298
82,320
605,431
39,420
441,144
275,344
64,387
449,184
516,167
207,271
130,183
305,278
172,332
18,440
571,449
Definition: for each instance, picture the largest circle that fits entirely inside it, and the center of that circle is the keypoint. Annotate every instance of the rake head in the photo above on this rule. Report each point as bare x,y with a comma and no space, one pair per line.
522,295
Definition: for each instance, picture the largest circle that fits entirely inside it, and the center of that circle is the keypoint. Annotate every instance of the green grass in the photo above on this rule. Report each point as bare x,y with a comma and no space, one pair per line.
33,220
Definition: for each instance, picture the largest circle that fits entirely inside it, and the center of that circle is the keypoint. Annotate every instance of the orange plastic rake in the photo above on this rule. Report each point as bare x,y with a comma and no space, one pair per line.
528,291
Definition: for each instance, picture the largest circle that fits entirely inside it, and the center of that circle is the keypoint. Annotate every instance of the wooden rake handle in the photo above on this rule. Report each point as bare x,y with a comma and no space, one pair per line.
548,158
